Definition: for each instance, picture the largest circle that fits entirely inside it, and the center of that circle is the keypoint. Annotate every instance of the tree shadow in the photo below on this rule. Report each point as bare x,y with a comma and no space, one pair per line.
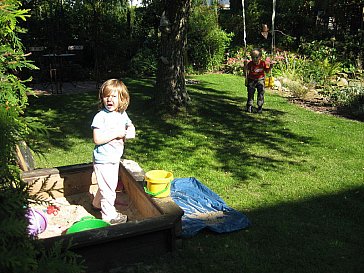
320,234
224,127
65,115
323,233
217,118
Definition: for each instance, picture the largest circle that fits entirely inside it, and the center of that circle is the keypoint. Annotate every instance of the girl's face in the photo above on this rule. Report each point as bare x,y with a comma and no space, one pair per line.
111,102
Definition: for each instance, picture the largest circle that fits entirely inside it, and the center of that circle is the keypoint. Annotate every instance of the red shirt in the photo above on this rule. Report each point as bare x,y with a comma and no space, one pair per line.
257,71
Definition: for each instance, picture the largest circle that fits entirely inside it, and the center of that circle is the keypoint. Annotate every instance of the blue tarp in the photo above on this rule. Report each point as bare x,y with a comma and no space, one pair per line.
197,200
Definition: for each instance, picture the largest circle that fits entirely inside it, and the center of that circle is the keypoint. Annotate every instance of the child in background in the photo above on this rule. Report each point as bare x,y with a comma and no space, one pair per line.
111,127
255,74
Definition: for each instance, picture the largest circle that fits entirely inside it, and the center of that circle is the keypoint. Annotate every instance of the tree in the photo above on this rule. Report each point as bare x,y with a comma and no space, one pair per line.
171,90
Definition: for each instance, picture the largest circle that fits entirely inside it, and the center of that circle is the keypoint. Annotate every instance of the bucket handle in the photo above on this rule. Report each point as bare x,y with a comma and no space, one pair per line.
157,193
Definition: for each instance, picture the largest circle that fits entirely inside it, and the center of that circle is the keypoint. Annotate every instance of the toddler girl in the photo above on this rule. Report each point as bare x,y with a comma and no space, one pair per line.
111,127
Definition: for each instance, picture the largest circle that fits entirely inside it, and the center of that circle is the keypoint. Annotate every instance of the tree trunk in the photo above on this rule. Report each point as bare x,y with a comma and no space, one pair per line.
171,93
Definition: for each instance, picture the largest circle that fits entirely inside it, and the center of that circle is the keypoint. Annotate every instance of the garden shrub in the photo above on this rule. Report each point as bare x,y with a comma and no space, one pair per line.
234,65
18,252
144,63
296,88
292,69
321,72
349,99
322,62
235,60
318,51
207,42
290,66
317,71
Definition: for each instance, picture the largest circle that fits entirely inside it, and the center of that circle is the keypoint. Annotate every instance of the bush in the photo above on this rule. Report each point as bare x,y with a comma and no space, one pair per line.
318,51
315,71
234,66
349,99
18,252
144,63
290,66
297,88
235,60
322,62
207,42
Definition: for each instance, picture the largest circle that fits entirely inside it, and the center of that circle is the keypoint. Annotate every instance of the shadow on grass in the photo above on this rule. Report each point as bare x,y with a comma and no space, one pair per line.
235,131
223,126
66,115
322,234
215,115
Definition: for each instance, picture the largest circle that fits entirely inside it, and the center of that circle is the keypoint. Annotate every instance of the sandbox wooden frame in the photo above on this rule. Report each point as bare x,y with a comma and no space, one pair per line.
112,247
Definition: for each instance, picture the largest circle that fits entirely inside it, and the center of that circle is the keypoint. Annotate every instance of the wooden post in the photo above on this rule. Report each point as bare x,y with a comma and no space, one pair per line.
24,156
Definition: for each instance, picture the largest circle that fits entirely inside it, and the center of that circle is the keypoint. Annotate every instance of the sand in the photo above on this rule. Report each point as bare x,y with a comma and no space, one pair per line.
72,208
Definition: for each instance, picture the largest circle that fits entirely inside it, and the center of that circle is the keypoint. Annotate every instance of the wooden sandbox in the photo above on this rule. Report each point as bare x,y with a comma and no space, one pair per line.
153,228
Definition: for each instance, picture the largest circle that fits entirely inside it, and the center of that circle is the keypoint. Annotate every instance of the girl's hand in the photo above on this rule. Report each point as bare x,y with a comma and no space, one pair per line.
120,133
130,132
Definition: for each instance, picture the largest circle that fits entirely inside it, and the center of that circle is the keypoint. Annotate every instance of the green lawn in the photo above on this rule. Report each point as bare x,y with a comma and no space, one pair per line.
297,175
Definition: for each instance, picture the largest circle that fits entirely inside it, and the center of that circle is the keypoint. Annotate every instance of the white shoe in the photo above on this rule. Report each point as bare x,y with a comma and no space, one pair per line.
119,219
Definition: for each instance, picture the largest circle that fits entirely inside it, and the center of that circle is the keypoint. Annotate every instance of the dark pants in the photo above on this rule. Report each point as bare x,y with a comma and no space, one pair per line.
259,86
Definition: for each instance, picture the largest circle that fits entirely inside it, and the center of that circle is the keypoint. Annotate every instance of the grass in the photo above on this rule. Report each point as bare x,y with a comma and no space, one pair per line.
297,175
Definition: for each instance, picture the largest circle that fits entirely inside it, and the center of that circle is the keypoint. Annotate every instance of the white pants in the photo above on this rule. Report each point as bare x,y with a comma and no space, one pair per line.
107,176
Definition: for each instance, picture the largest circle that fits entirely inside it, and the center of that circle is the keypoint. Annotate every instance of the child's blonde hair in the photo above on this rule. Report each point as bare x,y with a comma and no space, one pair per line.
118,86
256,52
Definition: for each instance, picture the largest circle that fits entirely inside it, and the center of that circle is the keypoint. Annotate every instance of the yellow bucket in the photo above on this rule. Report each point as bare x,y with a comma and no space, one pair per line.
158,183
269,82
